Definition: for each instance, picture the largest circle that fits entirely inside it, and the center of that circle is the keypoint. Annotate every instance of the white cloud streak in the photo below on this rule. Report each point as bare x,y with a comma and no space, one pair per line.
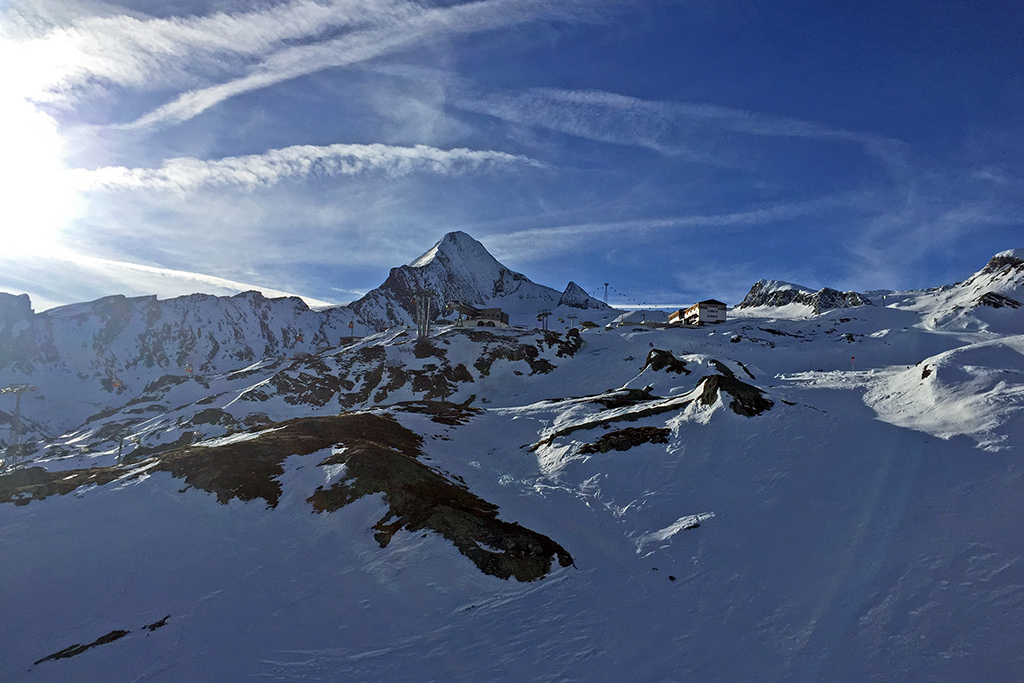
244,51
361,46
672,128
187,174
184,277
94,276
146,53
564,238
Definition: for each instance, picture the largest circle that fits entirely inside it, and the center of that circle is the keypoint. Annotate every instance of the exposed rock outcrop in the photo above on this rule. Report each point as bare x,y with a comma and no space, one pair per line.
776,293
575,296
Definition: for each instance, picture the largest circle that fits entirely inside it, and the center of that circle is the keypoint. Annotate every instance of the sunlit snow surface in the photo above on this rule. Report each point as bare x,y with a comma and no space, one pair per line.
867,527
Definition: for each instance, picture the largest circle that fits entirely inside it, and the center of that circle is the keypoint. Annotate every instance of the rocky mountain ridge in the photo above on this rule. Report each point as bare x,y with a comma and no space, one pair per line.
774,293
116,334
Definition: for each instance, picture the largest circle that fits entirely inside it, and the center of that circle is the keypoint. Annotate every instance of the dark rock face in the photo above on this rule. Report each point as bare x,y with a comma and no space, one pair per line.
747,400
1007,263
624,439
769,293
575,296
993,300
659,359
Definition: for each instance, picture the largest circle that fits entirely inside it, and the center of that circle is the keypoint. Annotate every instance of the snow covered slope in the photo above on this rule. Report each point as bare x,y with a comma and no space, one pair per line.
96,356
988,300
830,496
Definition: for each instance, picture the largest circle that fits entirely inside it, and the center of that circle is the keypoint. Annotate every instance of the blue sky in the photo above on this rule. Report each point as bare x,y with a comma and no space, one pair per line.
676,150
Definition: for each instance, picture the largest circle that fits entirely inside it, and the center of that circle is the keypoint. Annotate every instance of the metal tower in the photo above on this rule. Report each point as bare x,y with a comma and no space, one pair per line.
422,302
13,458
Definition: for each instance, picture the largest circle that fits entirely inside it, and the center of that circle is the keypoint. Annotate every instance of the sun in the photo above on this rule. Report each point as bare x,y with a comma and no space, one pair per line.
37,195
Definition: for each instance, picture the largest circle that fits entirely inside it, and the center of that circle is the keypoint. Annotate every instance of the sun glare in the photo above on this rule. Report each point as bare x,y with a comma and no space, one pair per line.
37,197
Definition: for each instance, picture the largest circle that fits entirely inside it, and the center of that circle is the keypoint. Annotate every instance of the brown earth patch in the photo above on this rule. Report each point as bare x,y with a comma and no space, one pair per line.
420,498
623,397
624,439
380,456
77,649
441,412
22,486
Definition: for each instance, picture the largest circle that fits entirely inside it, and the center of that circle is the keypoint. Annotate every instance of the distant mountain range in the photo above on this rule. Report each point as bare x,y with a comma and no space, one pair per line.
207,332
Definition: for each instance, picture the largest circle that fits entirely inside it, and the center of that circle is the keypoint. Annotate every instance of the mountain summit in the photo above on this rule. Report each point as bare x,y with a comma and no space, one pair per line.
458,250
990,299
575,296
456,268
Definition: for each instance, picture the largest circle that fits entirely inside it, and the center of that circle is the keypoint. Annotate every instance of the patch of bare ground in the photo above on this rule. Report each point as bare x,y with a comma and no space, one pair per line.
746,400
249,469
22,486
623,397
512,351
420,498
441,412
380,457
624,439
77,649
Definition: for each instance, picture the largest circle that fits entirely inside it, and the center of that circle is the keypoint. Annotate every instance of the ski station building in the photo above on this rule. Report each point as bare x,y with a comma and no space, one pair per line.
704,312
478,317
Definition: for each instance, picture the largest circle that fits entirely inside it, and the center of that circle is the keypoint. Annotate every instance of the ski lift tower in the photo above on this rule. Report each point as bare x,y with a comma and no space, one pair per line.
422,302
13,457
543,318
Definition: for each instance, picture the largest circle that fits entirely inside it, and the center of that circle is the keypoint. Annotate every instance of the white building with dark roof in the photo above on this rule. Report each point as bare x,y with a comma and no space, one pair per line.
709,311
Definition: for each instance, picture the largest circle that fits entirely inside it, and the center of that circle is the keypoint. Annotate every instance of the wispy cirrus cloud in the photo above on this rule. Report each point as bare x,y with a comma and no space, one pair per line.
139,52
63,275
424,25
568,237
691,130
245,51
186,174
145,278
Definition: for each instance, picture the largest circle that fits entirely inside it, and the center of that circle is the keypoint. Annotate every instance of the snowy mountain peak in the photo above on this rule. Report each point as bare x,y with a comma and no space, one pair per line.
456,268
1006,262
575,296
456,249
988,300
776,293
1017,254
